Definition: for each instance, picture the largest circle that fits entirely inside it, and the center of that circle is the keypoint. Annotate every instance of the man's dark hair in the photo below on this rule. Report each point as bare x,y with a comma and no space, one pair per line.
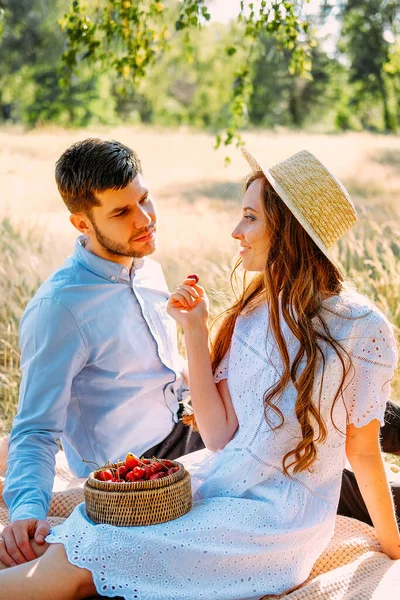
91,166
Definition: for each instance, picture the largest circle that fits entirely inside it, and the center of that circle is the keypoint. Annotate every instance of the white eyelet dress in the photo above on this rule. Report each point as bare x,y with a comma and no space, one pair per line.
252,530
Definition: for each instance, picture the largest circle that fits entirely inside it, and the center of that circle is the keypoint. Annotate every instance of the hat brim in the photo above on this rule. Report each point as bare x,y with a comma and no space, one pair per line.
255,165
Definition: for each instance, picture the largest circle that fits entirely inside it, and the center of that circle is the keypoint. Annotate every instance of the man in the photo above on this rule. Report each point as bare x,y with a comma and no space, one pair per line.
99,358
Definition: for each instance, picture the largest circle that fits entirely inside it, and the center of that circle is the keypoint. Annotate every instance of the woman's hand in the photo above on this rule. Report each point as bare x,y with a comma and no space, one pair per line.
188,305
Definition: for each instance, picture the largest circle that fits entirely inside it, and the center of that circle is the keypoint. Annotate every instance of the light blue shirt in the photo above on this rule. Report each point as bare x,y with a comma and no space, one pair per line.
100,370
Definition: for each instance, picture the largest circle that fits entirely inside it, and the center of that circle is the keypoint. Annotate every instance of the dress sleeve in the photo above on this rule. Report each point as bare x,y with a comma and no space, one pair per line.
221,372
374,358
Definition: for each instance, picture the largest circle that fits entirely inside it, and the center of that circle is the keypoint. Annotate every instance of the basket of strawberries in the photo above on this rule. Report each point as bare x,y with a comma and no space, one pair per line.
138,491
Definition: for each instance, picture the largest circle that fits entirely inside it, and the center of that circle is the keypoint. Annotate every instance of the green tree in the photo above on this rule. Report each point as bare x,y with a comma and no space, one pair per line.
2,17
367,26
283,98
392,69
130,36
30,48
195,91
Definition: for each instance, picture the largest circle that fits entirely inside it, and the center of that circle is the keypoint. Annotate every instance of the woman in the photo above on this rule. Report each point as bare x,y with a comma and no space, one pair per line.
298,377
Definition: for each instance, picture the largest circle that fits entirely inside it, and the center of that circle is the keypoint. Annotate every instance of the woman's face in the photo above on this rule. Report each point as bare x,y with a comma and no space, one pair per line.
251,231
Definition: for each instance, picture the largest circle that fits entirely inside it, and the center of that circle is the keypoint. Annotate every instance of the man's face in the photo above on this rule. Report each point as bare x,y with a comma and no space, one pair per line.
124,225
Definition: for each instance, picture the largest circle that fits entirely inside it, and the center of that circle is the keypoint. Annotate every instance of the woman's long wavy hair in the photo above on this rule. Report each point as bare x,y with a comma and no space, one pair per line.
296,280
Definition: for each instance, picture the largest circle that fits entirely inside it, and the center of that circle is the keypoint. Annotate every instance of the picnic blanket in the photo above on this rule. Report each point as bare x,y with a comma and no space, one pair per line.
352,567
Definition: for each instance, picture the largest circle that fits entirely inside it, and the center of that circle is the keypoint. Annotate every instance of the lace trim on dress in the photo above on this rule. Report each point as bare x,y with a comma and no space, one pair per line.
371,362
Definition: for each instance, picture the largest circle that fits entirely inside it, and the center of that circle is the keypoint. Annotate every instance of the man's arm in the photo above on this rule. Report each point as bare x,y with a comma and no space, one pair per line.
53,351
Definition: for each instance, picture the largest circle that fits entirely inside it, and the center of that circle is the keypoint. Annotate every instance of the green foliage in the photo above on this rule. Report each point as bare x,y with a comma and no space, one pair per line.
292,100
126,35
131,35
31,48
2,19
192,13
392,71
165,63
367,25
79,104
343,118
197,92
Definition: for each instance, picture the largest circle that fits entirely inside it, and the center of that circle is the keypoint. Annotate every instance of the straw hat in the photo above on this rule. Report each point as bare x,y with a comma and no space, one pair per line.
312,193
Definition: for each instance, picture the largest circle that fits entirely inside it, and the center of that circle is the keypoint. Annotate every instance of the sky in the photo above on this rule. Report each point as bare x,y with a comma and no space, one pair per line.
224,10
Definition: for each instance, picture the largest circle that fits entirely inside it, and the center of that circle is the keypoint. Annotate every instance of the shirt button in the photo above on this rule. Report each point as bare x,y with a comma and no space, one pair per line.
112,278
124,270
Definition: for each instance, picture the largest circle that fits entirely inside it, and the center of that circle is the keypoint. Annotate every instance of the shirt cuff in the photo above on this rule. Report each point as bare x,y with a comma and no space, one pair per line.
27,511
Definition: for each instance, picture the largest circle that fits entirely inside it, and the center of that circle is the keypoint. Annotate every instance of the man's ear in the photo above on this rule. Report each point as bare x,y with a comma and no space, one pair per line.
82,223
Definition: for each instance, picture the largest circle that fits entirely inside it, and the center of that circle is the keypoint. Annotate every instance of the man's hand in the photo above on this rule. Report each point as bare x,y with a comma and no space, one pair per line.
16,547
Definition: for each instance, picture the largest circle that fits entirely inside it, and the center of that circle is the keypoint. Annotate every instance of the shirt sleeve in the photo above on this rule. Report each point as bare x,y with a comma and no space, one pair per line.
374,358
52,353
221,372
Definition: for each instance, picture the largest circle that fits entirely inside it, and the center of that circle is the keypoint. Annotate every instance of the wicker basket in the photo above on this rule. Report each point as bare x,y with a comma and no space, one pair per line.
139,502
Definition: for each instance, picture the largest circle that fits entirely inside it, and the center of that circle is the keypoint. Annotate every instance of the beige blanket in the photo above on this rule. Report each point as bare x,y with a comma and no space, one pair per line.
351,568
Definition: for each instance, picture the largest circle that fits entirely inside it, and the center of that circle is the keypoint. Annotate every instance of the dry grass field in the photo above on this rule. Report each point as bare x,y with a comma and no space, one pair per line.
198,203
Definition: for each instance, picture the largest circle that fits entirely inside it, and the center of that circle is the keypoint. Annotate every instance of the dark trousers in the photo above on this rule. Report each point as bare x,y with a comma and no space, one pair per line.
183,440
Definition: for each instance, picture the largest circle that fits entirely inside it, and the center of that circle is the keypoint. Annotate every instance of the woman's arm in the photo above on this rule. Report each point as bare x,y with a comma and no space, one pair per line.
212,403
212,406
364,454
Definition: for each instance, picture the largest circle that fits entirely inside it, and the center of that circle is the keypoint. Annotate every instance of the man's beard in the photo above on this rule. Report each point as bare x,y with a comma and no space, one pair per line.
114,248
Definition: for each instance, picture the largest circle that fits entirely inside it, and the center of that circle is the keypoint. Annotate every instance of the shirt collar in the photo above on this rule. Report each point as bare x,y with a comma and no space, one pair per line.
107,269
